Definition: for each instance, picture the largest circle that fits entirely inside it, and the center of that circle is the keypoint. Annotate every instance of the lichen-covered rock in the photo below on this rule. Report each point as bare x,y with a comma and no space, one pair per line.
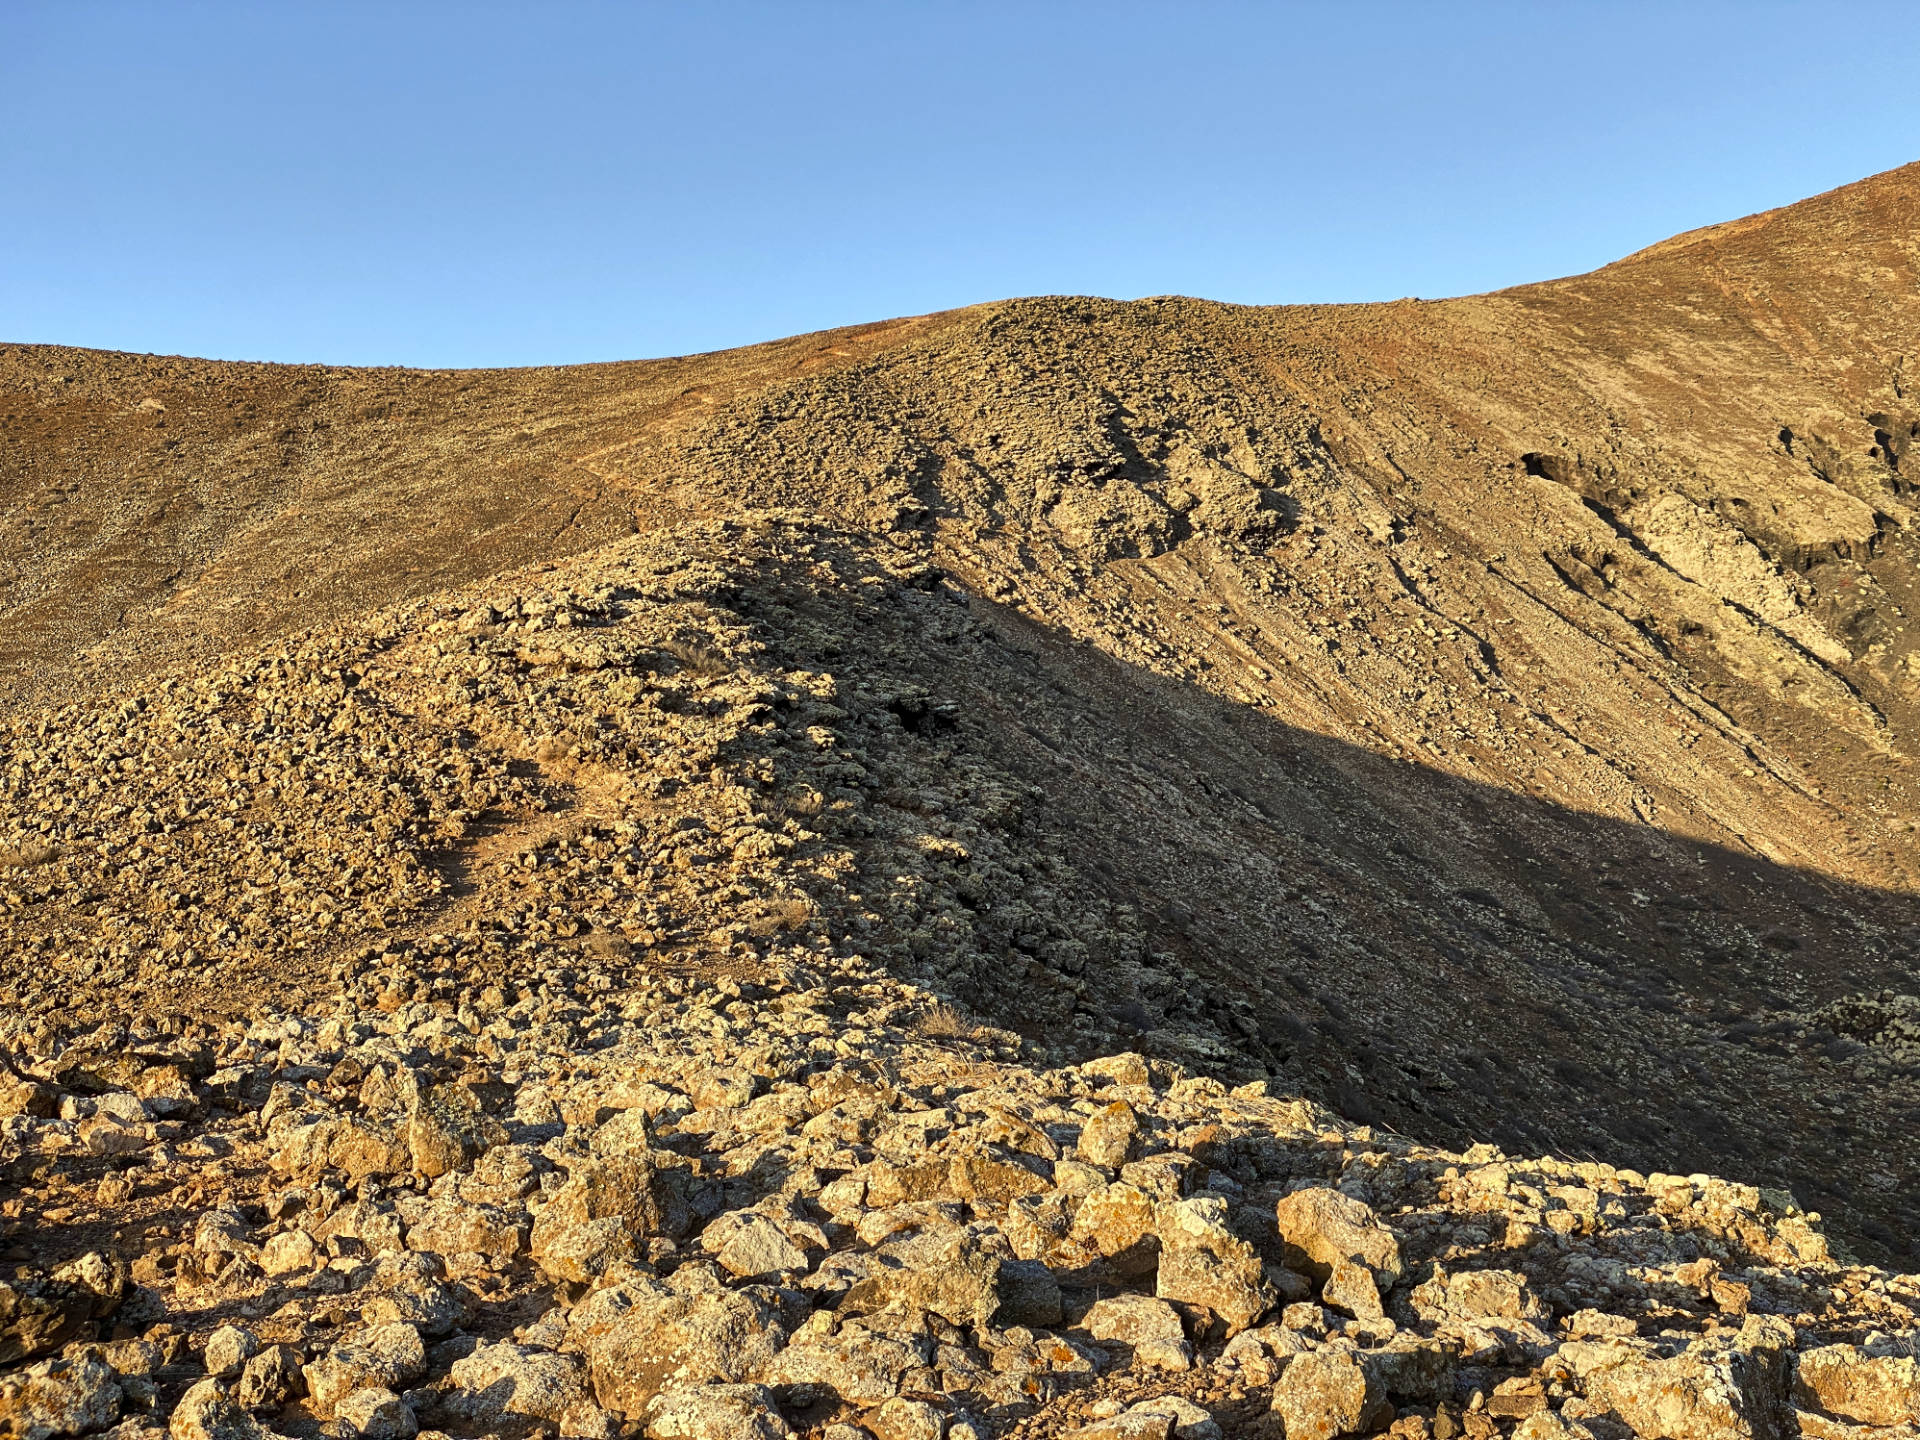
715,1412
641,1335
497,1382
1326,1394
60,1397
41,1311
1846,1381
604,1213
1320,1226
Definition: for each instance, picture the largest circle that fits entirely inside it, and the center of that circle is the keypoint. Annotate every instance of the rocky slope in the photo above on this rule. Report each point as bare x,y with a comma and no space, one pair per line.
516,880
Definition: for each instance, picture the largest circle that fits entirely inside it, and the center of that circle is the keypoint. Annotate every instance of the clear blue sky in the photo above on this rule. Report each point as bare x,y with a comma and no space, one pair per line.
493,184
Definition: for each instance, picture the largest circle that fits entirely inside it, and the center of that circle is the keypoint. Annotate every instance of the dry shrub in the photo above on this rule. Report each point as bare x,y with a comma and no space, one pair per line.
697,658
27,854
777,916
945,1022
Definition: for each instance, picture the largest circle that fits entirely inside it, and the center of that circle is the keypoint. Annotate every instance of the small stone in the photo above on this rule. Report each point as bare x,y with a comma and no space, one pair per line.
715,1412
270,1379
1108,1136
902,1419
228,1349
377,1413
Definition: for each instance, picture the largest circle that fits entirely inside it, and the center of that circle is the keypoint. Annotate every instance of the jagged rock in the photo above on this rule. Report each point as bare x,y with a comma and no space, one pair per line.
1328,1393
383,1357
376,1413
603,1214
1202,1262
715,1412
60,1397
42,1311
503,1380
1321,1226
1844,1380
640,1335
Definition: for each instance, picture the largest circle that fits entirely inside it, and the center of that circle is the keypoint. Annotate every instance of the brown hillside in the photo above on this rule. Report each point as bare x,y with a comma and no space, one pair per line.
1493,717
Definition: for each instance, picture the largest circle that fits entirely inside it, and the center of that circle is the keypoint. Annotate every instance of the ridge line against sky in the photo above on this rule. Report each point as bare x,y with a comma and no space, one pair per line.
485,184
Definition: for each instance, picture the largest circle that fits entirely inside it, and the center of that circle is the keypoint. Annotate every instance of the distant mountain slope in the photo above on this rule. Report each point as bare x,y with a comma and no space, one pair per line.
1494,716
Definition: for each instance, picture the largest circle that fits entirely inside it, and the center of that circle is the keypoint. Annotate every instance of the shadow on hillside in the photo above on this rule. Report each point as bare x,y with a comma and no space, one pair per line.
1444,957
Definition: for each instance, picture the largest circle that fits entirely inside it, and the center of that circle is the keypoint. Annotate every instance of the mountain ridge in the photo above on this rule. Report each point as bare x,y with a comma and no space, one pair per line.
1490,719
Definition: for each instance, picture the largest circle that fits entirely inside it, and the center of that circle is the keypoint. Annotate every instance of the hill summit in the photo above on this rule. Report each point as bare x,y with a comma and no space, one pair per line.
1024,871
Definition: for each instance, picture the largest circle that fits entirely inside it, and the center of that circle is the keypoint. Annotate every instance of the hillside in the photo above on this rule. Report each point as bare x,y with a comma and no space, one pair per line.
1489,719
